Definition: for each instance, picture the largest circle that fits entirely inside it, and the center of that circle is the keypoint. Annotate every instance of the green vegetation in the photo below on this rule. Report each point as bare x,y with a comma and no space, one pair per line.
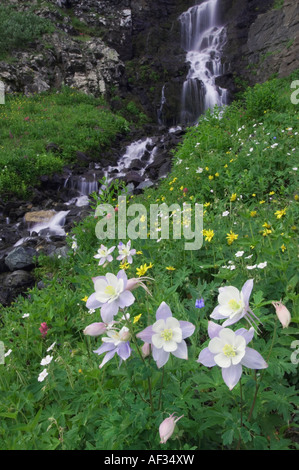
243,169
18,29
70,119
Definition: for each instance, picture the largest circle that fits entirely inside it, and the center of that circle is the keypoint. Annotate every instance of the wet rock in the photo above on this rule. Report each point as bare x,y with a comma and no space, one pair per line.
19,278
21,258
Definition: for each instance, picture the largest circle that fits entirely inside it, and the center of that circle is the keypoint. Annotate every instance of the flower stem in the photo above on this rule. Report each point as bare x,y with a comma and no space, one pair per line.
160,396
261,375
142,358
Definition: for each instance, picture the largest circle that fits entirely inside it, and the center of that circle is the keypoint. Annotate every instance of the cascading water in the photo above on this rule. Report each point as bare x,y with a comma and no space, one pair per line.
203,39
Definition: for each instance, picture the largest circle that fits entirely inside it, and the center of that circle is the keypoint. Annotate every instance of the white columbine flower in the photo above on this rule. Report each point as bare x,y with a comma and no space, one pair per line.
199,170
167,334
46,360
234,304
225,213
42,375
26,315
104,254
125,252
229,348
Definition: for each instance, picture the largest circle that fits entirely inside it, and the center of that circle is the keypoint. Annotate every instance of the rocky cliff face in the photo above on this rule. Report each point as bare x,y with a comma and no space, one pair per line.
262,40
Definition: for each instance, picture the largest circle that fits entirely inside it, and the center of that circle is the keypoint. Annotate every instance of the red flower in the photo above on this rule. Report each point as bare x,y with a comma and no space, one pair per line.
43,329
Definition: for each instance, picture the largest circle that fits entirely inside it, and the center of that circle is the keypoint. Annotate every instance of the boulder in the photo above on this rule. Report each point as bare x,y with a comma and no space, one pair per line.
21,257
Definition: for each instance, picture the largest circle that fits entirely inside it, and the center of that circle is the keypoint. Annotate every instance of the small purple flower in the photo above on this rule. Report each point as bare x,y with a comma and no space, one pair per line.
228,350
110,295
118,343
167,336
199,303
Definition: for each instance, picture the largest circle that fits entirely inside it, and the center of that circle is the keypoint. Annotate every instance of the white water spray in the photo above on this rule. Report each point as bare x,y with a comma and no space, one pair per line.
203,39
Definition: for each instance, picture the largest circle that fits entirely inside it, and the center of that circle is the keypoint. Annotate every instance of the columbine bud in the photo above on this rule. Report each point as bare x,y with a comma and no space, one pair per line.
138,282
95,329
146,349
283,314
166,428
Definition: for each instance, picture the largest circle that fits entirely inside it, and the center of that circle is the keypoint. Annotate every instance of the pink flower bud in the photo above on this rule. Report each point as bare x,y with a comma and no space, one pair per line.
43,329
146,349
95,329
166,428
283,314
134,282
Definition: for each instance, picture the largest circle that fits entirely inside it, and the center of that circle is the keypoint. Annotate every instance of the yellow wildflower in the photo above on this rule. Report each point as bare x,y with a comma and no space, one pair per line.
271,193
296,197
279,214
143,269
231,237
266,232
137,318
233,197
266,225
124,266
283,248
208,234
253,213
170,268
217,174
138,252
262,202
211,177
84,299
207,204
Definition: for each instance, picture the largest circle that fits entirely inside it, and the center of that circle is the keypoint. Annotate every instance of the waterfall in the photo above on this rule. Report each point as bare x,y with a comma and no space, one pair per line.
203,39
160,110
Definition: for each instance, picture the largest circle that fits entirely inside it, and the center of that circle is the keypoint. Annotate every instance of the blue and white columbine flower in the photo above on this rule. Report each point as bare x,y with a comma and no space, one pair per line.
234,304
118,343
111,294
167,336
125,252
228,350
104,254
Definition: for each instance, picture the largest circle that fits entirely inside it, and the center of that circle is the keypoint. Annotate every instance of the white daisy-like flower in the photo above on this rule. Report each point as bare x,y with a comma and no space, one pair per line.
199,170
262,265
46,360
42,375
251,267
51,347
26,315
239,254
225,213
